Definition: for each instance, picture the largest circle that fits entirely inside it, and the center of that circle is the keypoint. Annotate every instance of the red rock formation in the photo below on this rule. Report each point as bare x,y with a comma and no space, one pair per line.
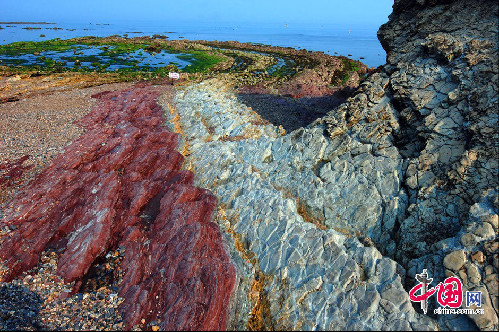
334,76
317,82
11,172
185,249
120,184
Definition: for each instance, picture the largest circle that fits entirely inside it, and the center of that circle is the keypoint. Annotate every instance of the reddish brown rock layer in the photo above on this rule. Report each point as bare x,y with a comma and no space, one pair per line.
317,83
11,172
334,76
120,184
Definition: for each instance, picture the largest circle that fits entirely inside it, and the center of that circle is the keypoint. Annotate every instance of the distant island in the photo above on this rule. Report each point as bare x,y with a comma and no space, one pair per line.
25,23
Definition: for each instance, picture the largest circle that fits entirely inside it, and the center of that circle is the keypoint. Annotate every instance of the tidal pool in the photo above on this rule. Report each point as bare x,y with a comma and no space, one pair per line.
100,57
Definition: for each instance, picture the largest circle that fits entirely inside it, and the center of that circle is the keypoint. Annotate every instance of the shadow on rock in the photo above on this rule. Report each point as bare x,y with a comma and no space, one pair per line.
290,113
19,308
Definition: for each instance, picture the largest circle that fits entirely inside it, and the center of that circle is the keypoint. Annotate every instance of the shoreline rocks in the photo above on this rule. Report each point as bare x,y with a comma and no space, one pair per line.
325,227
120,185
314,275
407,164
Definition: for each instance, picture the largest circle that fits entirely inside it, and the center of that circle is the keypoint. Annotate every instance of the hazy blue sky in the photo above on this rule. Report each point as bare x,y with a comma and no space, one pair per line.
223,11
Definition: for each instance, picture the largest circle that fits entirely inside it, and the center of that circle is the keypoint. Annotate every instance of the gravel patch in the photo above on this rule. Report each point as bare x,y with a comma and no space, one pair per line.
41,126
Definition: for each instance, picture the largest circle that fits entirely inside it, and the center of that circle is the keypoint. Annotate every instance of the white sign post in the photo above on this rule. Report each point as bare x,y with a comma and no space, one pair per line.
173,76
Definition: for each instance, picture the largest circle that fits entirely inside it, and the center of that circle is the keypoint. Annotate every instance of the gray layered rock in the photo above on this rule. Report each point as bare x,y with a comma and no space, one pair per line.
442,63
271,189
404,171
443,69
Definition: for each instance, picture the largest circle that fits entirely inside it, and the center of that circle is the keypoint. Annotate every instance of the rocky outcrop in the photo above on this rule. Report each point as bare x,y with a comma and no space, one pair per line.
296,272
121,185
294,73
443,70
443,77
407,165
327,226
434,105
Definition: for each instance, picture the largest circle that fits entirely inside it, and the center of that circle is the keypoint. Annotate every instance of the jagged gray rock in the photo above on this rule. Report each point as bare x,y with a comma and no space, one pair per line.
407,164
318,278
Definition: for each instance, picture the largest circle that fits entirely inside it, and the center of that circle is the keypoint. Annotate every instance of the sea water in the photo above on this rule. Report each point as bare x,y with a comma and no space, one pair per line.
357,41
139,57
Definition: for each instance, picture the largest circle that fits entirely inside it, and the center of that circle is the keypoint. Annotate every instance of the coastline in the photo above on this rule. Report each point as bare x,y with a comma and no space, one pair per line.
306,89
334,40
327,213
38,23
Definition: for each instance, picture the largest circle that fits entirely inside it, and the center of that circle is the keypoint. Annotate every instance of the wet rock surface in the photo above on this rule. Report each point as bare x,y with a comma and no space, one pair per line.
121,185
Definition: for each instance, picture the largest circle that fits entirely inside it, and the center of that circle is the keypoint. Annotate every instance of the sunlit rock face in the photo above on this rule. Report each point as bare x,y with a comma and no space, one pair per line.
325,226
121,185
407,166
442,63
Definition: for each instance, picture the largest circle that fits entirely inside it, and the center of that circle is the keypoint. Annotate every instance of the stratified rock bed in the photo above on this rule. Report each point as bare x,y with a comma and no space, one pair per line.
327,226
120,185
406,168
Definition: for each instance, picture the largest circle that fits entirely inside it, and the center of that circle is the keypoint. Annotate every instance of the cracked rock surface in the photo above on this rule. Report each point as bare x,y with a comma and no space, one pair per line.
340,216
316,277
120,185
322,228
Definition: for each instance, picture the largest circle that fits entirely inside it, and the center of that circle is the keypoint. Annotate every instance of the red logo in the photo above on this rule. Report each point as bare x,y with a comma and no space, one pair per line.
422,296
450,292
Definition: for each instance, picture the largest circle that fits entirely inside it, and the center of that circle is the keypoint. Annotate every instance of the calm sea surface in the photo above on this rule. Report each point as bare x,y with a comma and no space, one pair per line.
354,40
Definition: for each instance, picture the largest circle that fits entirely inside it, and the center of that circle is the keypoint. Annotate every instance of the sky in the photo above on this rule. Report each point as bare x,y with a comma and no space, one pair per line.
369,12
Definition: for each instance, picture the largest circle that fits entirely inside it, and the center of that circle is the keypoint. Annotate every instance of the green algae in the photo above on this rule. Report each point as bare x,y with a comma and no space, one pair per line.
29,47
350,65
127,58
112,52
343,75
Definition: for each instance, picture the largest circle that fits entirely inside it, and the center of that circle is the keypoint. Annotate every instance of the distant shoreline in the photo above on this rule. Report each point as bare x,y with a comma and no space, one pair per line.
25,23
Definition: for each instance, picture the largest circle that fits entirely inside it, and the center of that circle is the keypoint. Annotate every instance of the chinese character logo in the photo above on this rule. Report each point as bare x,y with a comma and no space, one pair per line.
474,298
425,293
450,292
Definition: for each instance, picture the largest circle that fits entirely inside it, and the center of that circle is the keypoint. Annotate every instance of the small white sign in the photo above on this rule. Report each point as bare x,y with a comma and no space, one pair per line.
174,75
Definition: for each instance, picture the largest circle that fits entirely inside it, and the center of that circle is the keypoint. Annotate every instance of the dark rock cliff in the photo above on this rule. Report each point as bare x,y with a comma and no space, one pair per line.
441,78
